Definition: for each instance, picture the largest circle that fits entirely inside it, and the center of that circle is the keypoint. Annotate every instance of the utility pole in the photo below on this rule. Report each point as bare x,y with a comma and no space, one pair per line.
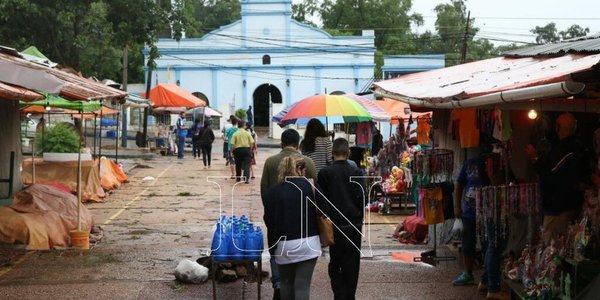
124,112
463,56
145,117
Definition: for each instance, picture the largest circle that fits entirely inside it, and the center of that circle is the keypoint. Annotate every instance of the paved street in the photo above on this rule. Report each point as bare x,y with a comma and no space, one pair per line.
150,225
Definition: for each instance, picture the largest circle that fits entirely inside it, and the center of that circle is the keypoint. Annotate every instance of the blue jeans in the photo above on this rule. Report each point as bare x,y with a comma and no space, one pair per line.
492,249
180,146
274,273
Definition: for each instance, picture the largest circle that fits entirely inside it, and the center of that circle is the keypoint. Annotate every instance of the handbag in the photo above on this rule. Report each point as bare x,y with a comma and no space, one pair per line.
324,224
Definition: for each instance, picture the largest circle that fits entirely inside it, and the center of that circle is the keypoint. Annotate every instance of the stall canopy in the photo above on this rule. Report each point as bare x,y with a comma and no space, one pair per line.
59,102
493,81
171,95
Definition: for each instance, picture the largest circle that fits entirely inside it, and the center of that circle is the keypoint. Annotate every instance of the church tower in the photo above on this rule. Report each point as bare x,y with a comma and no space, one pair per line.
266,19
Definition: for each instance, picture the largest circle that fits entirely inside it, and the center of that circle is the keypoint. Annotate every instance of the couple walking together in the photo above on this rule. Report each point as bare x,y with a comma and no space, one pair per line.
291,203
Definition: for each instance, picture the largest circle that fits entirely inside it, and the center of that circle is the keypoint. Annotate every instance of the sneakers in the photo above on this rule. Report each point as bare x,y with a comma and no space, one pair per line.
494,296
464,279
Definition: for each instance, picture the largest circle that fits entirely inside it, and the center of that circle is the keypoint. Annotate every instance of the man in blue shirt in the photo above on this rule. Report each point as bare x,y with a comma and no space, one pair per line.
472,176
181,134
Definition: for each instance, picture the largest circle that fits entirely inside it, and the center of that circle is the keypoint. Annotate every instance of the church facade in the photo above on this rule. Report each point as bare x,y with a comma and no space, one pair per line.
266,60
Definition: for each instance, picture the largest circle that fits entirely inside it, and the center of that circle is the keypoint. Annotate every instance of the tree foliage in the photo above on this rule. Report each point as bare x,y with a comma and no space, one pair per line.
546,34
573,32
550,34
211,14
90,35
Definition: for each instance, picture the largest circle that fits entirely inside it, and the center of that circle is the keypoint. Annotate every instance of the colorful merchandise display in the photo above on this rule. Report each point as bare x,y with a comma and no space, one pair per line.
496,203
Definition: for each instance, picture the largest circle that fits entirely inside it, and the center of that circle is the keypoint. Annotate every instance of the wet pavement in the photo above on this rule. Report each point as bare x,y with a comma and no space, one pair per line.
152,224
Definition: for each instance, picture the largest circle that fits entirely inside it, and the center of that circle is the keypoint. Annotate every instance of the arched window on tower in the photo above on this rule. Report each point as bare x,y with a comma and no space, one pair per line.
266,59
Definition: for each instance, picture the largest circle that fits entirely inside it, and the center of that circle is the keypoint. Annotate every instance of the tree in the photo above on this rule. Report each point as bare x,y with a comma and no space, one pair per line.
211,14
573,32
301,11
546,34
90,35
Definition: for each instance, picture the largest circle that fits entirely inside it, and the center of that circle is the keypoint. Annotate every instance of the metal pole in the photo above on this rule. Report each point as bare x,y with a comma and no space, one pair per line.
33,162
79,181
117,140
124,107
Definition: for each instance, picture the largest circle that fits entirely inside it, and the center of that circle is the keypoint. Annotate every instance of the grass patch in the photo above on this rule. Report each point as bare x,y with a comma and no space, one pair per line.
178,287
152,194
183,194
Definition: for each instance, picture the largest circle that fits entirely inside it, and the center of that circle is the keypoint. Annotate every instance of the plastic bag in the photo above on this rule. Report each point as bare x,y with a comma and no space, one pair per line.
191,272
457,229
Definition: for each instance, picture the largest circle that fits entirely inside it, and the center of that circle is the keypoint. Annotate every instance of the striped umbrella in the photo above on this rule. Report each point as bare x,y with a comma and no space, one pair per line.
331,108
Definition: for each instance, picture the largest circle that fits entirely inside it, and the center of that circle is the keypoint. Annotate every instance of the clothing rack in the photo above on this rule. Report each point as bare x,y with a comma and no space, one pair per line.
432,167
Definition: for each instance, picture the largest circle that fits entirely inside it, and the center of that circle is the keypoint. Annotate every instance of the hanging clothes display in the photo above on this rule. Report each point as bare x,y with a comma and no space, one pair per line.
468,131
496,203
364,135
431,203
423,128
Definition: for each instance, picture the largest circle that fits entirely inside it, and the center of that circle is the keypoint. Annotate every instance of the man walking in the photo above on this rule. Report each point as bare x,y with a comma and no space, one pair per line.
290,139
228,134
346,199
250,117
241,144
182,130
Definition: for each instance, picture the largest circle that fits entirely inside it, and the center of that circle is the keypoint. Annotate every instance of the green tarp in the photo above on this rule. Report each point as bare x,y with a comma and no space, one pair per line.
33,51
59,102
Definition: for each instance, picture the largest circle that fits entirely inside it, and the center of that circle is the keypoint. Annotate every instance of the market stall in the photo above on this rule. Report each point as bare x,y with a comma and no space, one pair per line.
514,123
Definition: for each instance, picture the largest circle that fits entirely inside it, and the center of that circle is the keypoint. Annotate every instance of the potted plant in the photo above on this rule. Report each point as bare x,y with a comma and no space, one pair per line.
60,143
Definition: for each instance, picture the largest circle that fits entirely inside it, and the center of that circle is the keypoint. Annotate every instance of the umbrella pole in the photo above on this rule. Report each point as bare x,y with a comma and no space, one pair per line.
79,182
117,140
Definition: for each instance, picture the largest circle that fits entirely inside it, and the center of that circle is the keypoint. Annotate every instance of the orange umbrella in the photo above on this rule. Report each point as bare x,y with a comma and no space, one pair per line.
170,95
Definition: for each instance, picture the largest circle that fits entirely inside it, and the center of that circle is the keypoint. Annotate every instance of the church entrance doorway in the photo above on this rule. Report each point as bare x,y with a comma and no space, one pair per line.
264,97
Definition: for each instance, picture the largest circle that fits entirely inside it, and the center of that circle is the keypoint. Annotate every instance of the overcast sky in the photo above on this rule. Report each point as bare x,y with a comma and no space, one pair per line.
513,19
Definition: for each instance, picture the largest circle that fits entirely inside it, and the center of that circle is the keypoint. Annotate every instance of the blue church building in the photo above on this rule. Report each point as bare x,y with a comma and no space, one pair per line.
266,60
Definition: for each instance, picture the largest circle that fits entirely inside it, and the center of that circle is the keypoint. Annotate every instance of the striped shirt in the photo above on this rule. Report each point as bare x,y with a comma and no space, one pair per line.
322,154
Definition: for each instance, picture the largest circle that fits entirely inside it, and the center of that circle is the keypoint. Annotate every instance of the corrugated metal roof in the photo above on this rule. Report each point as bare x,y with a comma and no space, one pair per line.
486,77
12,92
583,45
76,87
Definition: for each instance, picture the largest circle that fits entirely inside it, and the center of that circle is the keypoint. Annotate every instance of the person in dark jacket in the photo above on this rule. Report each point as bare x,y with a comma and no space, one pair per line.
205,140
291,220
343,187
196,129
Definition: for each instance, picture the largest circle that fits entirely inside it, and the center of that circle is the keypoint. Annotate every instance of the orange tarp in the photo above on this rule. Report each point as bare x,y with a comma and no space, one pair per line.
111,176
397,110
65,173
169,95
41,217
104,111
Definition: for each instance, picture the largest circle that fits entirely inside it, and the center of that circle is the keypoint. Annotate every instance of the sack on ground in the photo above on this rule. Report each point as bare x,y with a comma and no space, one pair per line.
191,272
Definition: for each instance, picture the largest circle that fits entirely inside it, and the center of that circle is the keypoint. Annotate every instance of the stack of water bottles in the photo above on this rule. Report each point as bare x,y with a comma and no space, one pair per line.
236,239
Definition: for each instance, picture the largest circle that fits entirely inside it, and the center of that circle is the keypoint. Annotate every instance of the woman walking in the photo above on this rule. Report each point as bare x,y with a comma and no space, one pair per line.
316,144
205,141
291,216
